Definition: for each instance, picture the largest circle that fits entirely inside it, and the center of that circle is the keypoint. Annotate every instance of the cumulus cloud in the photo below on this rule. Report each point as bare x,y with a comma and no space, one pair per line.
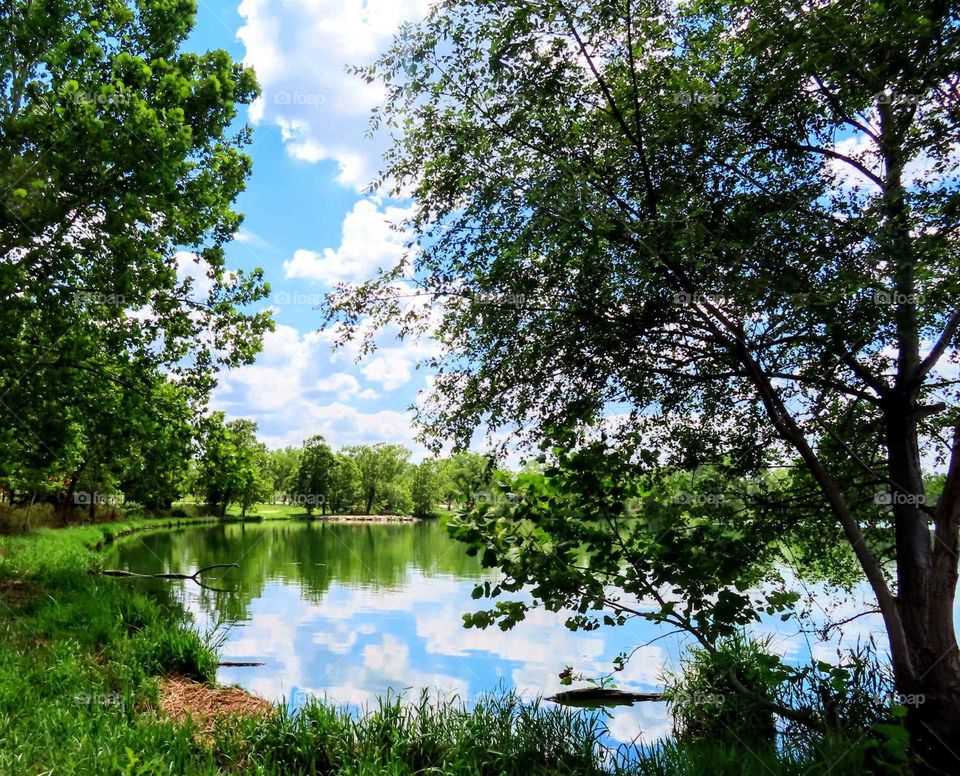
373,238
190,266
863,150
299,49
299,387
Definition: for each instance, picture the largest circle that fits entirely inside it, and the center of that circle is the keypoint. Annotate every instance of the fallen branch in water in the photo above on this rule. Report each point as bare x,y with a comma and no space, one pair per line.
232,664
598,696
194,577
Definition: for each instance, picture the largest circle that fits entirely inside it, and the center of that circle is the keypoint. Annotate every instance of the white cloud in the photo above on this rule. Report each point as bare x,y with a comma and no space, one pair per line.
861,149
298,388
190,266
300,50
370,242
251,239
392,368
344,385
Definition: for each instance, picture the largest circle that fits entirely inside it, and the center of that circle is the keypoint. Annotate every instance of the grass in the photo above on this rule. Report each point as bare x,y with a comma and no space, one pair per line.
270,511
78,656
263,511
500,735
80,653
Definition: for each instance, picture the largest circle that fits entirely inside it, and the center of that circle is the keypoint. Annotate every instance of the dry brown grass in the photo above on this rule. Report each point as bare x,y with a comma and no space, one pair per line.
181,698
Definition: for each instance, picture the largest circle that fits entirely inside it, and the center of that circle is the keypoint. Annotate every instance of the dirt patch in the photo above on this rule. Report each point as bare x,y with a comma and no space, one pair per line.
181,698
14,592
366,519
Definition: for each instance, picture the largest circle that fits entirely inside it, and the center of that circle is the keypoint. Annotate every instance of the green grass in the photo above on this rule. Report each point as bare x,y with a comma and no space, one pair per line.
264,511
500,735
270,511
79,654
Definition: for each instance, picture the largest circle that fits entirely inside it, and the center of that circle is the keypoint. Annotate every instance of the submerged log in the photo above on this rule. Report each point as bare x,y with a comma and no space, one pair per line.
599,696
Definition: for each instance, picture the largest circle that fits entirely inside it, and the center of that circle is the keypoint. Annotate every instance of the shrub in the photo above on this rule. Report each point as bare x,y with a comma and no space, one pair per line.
167,647
706,707
21,519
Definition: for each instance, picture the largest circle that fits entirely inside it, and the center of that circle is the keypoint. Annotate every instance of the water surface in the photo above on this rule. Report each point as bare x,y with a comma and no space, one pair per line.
350,612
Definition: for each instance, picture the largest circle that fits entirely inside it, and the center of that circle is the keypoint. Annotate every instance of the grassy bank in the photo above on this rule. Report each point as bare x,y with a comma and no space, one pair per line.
80,656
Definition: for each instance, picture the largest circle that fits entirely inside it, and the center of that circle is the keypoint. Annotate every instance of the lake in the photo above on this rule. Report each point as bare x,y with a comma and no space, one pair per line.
350,612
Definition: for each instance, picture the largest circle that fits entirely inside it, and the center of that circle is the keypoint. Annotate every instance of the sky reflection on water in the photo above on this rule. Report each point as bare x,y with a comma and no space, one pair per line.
353,612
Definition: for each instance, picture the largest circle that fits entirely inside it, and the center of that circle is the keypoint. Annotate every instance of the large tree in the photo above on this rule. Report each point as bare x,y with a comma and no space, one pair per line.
344,484
466,474
734,223
426,487
232,465
282,466
379,468
315,475
119,163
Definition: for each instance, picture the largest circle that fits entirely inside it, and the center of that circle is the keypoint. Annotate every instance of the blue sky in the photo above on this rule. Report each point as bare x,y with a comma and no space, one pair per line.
308,224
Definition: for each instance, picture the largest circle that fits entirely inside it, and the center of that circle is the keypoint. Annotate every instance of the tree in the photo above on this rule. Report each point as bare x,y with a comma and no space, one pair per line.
119,167
156,469
378,467
736,220
467,474
314,474
282,467
344,484
426,487
232,465
253,479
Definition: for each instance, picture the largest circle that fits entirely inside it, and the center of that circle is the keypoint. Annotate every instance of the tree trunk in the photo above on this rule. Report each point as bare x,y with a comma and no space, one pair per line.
932,699
66,500
934,718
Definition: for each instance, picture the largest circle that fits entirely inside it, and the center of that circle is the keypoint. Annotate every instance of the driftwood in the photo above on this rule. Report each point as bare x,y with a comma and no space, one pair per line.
194,577
599,696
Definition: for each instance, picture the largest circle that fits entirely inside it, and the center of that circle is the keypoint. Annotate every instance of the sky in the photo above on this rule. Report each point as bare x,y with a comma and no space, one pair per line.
308,224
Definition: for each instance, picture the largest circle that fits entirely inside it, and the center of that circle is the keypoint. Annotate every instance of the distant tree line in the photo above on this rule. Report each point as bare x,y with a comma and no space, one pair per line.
222,464
233,467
